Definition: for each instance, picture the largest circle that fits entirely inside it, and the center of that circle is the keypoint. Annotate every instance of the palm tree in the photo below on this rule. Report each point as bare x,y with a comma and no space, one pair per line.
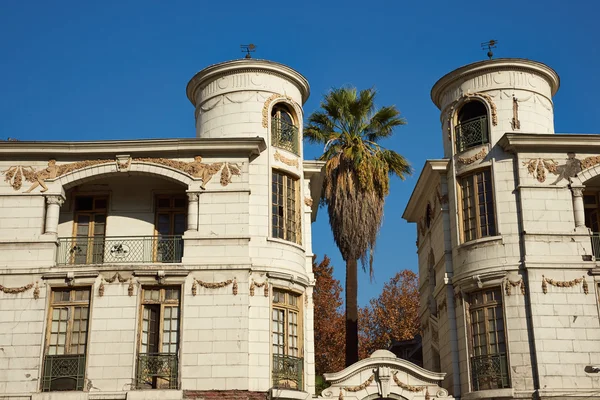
356,181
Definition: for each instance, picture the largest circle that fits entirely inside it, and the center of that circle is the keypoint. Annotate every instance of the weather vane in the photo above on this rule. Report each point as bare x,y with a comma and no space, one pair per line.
489,46
248,48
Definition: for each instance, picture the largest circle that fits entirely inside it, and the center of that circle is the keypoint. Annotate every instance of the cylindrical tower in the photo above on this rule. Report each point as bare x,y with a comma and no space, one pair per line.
482,101
231,97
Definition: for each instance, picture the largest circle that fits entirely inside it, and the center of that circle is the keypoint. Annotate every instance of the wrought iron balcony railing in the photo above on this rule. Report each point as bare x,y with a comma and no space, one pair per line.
119,249
284,135
596,244
471,133
156,371
63,372
287,372
490,372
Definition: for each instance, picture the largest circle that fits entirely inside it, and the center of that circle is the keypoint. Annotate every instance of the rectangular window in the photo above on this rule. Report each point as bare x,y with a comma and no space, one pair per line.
489,365
285,208
157,363
288,364
66,340
478,217
89,229
171,223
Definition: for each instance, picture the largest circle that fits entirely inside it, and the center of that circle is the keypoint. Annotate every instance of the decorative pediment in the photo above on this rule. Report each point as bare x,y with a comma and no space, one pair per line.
383,375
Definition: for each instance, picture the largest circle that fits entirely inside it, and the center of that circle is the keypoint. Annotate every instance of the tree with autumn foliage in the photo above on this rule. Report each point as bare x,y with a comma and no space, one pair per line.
329,319
394,315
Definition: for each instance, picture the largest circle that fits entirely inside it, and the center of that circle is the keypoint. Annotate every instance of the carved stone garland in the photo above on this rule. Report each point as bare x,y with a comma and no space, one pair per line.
292,162
405,386
537,167
577,281
214,285
264,285
22,289
470,160
116,276
358,388
508,285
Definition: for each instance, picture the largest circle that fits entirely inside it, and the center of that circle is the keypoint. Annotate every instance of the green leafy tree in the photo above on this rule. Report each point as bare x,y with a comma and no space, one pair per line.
357,180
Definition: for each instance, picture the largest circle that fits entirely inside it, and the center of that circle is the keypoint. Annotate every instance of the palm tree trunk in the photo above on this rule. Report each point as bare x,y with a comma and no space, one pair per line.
351,312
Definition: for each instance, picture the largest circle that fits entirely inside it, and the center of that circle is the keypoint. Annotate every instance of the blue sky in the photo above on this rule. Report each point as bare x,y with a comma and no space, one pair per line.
75,70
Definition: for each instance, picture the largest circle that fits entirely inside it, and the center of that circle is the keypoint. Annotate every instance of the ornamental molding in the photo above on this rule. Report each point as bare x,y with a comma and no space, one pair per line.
564,284
22,289
16,175
214,285
116,277
255,285
452,107
292,162
267,106
539,167
470,160
508,285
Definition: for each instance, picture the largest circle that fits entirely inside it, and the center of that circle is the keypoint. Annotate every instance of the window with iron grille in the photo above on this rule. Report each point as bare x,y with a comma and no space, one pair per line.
471,129
477,212
157,364
489,363
285,207
286,330
284,132
66,340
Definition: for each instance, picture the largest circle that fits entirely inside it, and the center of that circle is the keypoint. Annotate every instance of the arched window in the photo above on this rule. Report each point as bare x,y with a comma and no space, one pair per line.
471,126
284,132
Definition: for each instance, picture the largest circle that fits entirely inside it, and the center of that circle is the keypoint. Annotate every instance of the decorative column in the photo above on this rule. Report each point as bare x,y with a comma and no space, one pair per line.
192,217
53,204
578,208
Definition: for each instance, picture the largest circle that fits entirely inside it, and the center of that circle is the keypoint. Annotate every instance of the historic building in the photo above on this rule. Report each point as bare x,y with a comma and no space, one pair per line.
170,269
508,238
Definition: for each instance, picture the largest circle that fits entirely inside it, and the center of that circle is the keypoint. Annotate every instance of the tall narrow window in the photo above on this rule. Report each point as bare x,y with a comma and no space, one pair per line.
284,132
157,363
285,208
171,223
489,365
288,364
66,340
432,284
471,129
478,218
89,229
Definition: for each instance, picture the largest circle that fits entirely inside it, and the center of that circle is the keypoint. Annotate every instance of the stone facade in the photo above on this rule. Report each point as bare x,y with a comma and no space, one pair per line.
175,268
507,238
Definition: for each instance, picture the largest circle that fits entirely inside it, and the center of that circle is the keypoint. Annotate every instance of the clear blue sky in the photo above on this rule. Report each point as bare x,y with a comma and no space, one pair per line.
82,70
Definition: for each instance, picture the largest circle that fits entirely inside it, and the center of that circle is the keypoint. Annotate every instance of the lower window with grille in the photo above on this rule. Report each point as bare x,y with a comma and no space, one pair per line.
286,329
157,361
489,362
66,339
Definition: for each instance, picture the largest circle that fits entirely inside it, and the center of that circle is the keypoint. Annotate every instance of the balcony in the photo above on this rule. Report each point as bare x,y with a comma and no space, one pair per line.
470,133
63,372
156,371
288,372
490,372
284,135
119,249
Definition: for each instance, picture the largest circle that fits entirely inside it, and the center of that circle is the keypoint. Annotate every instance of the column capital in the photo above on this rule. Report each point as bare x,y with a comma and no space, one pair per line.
577,190
192,196
55,200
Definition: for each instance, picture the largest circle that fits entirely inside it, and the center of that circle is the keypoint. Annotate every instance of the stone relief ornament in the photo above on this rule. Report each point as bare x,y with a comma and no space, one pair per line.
265,110
17,290
470,160
405,386
308,201
255,285
214,285
515,123
452,107
508,285
562,284
292,162
537,167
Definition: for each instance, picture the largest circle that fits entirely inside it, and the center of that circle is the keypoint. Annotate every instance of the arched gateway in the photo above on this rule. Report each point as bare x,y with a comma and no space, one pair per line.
384,376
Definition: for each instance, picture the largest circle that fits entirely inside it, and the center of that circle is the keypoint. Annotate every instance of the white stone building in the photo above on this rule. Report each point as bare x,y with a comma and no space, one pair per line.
507,238
175,268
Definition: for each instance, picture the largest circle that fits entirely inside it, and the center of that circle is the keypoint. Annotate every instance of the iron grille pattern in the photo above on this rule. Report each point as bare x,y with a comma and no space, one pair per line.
596,245
119,249
284,135
287,372
157,371
471,133
490,372
63,372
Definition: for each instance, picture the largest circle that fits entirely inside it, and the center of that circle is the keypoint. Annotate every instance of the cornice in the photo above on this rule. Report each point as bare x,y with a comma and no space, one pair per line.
162,147
219,70
430,168
501,64
549,143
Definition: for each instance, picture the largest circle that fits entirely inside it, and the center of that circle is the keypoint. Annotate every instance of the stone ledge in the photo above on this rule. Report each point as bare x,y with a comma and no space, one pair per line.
490,394
288,394
224,394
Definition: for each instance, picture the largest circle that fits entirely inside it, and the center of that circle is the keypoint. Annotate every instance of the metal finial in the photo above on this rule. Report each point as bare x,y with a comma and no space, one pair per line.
248,48
489,46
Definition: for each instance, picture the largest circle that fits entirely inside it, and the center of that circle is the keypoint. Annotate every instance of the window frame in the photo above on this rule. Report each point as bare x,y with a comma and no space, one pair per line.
457,122
93,239
163,302
475,207
287,233
276,112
